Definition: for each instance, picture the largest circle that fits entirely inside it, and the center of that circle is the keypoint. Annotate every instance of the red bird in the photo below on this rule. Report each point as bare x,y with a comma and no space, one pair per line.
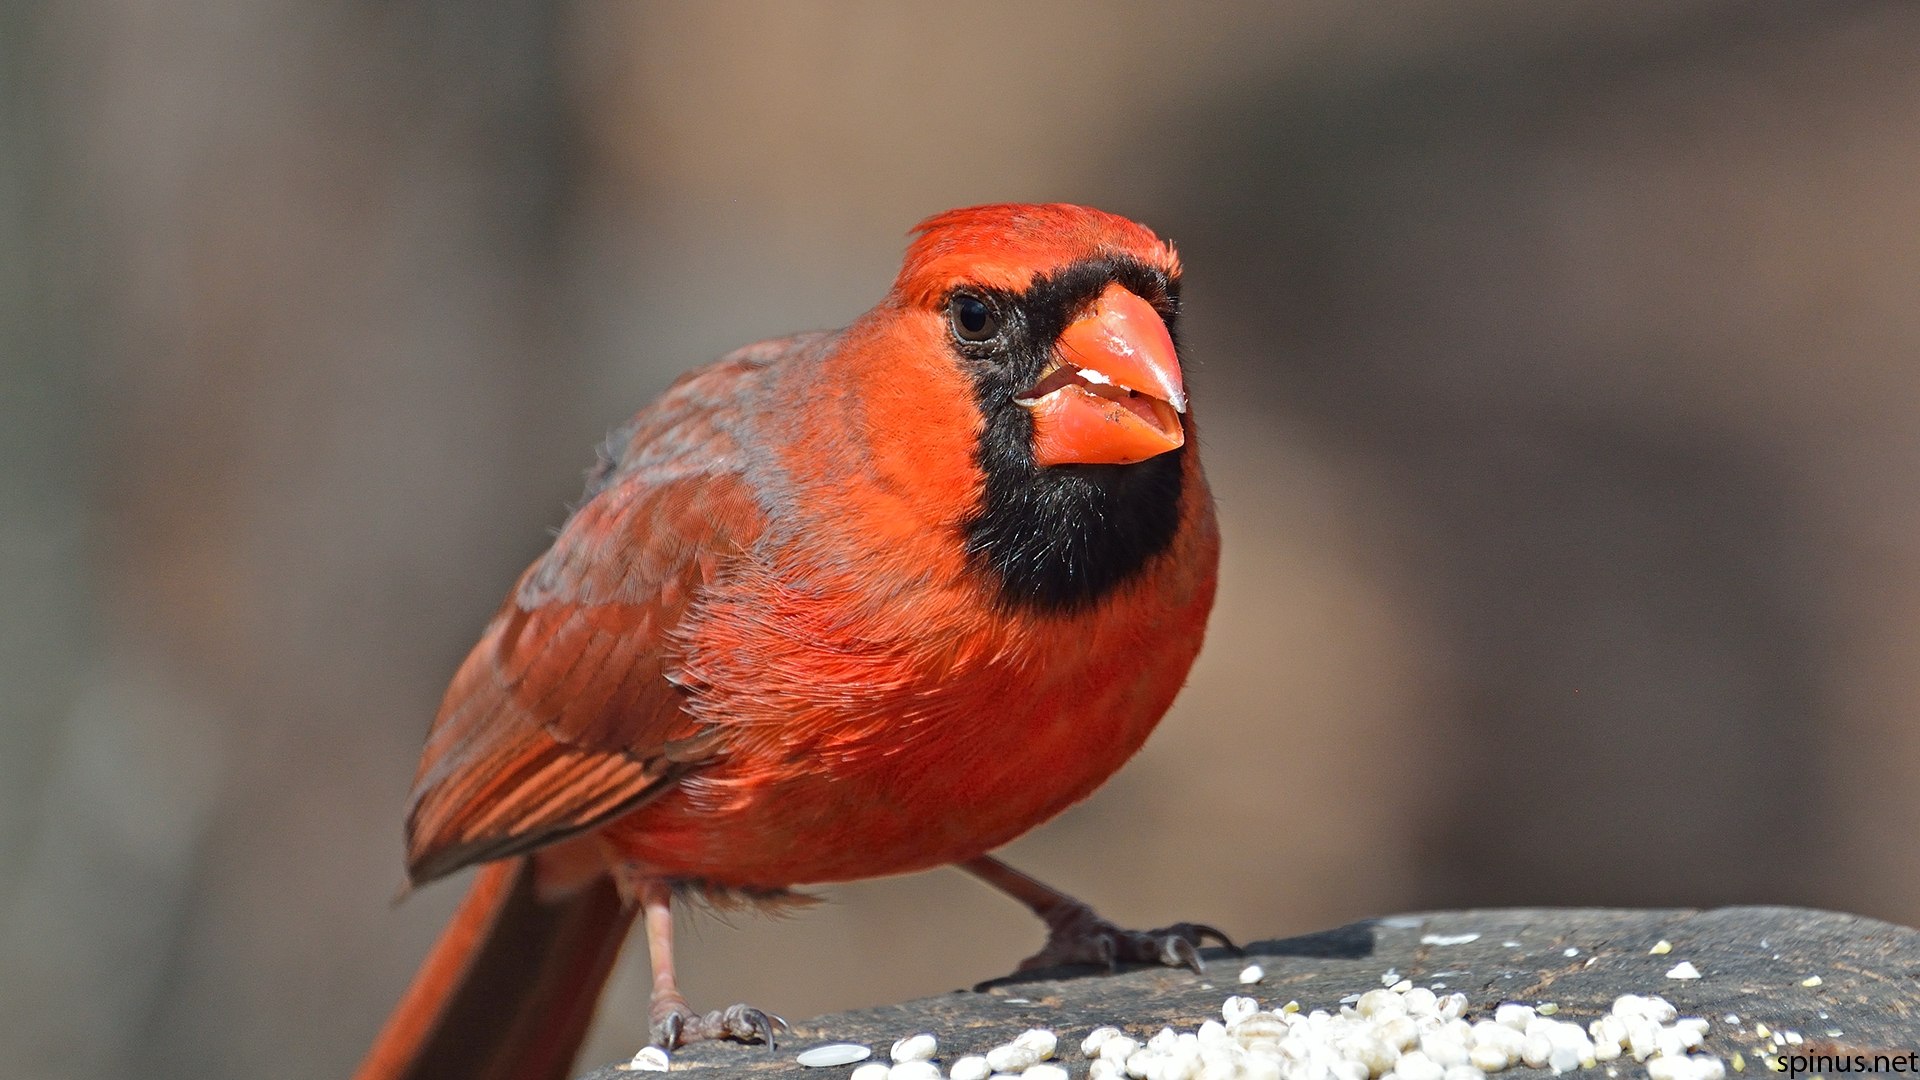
840,605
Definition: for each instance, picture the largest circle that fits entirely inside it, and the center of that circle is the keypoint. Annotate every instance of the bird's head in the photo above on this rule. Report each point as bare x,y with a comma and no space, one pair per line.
1060,321
1063,313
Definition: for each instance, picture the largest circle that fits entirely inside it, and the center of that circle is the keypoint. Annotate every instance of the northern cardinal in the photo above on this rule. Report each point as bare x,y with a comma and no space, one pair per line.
838,606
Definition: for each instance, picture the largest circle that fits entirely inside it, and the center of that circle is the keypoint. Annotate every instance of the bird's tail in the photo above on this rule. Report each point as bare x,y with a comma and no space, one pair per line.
509,990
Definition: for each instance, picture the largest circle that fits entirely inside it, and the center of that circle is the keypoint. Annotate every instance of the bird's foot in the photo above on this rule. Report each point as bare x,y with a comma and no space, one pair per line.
675,1024
1075,935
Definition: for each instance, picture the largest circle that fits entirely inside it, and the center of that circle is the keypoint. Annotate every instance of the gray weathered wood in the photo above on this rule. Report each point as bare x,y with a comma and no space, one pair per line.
1754,963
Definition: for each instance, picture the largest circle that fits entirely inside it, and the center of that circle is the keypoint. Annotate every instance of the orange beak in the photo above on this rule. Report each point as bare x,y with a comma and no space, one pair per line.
1113,395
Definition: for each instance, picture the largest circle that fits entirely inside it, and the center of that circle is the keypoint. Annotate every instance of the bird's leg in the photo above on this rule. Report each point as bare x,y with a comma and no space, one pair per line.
1075,935
672,1020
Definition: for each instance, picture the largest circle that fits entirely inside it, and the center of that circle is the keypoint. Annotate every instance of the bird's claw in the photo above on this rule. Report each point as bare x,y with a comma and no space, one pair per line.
674,1024
1078,936
1180,943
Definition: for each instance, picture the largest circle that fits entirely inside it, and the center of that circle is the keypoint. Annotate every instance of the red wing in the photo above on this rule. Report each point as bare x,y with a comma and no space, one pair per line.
565,714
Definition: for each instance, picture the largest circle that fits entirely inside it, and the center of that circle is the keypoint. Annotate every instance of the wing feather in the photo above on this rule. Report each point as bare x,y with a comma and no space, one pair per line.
566,713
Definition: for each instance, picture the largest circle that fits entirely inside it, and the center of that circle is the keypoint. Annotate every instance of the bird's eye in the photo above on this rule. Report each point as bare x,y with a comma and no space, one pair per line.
973,319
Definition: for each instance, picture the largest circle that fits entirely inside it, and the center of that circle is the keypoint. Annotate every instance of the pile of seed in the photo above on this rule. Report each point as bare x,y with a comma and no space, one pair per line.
1400,1032
1406,1033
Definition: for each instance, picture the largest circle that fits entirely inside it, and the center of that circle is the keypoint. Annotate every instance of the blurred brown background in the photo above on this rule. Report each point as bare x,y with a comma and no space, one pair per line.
1557,363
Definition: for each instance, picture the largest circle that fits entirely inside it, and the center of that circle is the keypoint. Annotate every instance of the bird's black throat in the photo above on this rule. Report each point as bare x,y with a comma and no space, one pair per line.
1062,538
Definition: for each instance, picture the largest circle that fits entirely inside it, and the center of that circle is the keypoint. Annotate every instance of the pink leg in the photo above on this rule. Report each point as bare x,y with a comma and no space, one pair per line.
673,1021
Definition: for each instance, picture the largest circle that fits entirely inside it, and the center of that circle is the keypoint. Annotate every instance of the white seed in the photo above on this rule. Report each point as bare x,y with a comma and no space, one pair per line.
832,1054
649,1059
1629,1005
1642,1036
1238,1008
1118,1049
1563,1059
1683,970
1268,1068
1513,1015
1101,1069
1488,1058
1422,1002
1659,1010
1012,1058
1039,1040
971,1067
876,1070
1380,1004
1448,939
1212,1032
1496,1036
1565,1036
1418,1066
919,1047
1251,974
1045,1071
1259,1026
1090,1046
1348,1069
1400,1032
1163,1041
1375,1055
1445,1048
1513,1041
1666,1068
914,1070
1465,1072
1453,1006
1708,1067
1536,1050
